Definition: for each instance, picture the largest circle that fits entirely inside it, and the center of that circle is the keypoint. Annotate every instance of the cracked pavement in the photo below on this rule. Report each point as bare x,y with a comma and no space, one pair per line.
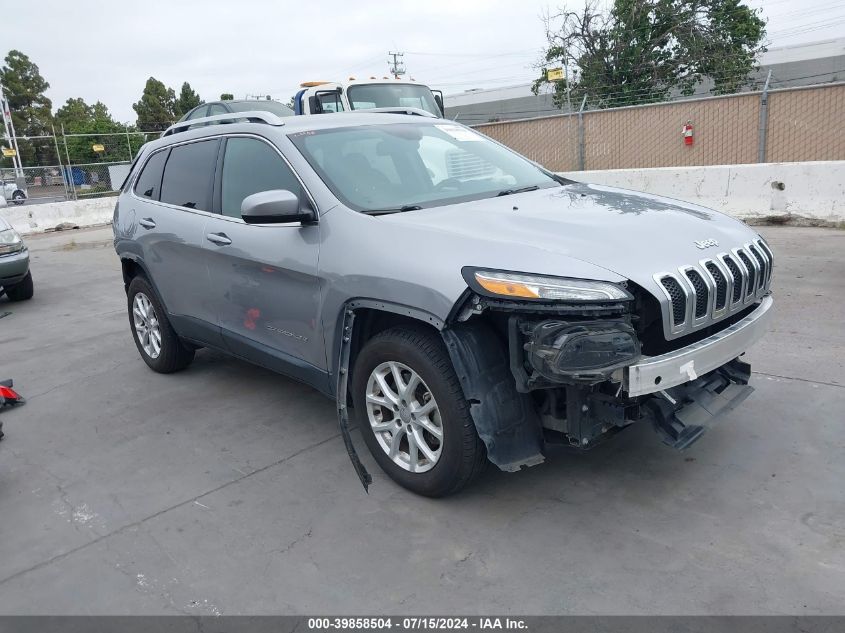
226,489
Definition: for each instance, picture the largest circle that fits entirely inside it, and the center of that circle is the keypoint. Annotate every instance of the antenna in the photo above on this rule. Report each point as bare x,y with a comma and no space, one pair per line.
396,65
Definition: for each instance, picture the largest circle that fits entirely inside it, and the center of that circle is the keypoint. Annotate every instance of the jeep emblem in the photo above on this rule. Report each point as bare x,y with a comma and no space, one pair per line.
702,244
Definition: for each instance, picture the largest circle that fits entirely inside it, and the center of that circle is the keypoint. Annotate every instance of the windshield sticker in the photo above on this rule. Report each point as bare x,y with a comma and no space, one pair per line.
459,133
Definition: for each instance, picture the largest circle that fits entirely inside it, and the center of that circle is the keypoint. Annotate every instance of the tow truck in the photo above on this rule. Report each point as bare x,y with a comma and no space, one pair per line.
318,97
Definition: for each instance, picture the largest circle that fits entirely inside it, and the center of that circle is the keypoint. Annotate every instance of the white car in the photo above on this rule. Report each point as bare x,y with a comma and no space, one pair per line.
12,192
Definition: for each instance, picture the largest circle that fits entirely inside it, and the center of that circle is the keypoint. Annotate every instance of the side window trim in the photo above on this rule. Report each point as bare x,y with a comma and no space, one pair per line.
132,176
209,193
141,171
217,195
221,138
309,199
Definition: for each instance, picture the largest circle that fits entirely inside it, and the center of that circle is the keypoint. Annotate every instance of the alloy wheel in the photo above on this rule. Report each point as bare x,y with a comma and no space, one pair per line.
404,417
146,325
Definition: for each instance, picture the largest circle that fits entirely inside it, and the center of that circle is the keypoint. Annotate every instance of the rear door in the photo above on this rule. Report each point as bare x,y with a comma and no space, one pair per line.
264,277
173,196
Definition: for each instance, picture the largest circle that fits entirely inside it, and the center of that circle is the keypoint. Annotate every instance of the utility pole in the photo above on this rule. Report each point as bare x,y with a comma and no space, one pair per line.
396,65
10,133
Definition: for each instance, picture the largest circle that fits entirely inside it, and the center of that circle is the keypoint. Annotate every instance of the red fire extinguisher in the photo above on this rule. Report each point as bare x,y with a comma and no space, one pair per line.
686,132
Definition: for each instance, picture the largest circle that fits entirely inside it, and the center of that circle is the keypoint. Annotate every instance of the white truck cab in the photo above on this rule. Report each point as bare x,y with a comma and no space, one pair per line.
317,97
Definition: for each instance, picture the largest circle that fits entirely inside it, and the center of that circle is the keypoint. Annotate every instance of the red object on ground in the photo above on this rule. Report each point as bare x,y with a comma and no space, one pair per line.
9,396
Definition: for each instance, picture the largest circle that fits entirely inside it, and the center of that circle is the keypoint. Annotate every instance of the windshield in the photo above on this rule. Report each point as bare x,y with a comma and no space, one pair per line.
366,96
388,167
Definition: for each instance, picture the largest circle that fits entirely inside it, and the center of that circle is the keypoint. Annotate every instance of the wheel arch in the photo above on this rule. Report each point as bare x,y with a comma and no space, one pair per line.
132,267
372,318
359,321
504,418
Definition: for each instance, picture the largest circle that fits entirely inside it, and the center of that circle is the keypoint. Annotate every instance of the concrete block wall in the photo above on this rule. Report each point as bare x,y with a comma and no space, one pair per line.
811,191
38,218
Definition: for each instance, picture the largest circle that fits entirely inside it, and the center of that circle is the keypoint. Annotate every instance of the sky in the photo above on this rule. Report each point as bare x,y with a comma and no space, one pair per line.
105,51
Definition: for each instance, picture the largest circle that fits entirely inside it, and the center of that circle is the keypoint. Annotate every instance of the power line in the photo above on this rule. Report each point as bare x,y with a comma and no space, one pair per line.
527,50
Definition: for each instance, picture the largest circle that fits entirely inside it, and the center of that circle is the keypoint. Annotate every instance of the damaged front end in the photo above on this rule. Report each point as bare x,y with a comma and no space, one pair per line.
538,372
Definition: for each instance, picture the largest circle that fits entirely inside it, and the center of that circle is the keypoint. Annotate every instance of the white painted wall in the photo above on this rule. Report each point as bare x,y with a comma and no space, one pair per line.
811,190
37,218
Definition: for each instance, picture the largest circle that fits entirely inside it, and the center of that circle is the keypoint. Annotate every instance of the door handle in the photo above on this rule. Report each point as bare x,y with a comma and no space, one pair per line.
147,223
221,239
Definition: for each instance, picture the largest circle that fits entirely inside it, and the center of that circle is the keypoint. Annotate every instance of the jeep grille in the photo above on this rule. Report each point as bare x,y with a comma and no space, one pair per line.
699,295
677,297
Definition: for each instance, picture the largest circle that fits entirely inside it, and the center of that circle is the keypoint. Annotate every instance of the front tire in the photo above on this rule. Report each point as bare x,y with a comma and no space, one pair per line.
154,337
18,197
412,413
21,291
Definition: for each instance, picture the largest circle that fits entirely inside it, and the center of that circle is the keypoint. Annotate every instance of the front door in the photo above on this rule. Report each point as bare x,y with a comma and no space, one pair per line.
264,276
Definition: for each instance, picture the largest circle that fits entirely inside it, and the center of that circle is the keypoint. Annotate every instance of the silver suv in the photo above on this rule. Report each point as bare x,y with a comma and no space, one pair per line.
465,304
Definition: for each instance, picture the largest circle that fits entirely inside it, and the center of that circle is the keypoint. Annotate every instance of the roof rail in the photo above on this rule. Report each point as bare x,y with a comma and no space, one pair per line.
394,110
252,116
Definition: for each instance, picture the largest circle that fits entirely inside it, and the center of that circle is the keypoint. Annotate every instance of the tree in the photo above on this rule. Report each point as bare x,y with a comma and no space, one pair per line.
99,128
157,108
30,108
642,50
188,100
73,114
227,96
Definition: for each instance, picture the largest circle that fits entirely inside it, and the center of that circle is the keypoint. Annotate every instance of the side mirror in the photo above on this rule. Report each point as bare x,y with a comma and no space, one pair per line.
276,206
314,105
438,99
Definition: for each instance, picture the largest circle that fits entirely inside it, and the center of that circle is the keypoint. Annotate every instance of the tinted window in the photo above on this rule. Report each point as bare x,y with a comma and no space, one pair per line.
216,108
250,166
189,174
199,112
149,182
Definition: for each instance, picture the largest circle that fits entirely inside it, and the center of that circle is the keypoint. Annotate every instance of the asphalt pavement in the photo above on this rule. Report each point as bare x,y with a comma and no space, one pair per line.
225,489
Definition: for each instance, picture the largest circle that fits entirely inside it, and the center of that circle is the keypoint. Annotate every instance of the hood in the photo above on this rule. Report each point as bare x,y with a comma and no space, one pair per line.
628,234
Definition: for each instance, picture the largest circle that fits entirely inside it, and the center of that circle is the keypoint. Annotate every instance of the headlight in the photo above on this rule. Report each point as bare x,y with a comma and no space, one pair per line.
586,351
10,242
520,286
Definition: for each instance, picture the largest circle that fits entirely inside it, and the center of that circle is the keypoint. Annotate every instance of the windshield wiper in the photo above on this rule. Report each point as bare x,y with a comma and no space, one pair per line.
407,207
507,192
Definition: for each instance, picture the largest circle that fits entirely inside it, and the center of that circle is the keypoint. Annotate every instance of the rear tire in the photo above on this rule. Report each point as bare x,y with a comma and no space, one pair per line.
458,454
154,337
21,291
18,197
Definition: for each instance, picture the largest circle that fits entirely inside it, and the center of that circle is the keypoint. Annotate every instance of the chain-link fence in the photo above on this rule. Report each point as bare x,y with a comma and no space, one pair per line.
70,166
785,125
38,184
